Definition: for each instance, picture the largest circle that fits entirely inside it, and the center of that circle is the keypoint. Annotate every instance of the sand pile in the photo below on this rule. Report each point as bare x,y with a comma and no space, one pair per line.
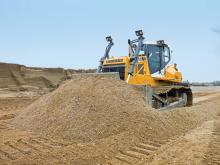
94,108
84,109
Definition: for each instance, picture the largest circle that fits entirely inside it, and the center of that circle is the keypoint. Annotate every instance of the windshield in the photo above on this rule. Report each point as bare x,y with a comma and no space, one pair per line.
158,57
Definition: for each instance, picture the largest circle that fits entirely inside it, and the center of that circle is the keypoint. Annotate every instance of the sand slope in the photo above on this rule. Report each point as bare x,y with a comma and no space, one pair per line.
104,116
85,109
92,108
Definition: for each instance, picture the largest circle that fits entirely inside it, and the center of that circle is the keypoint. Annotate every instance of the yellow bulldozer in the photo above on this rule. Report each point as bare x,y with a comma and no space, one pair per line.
149,64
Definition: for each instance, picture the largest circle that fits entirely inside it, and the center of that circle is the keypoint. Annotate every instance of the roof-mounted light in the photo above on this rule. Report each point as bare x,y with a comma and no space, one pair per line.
160,42
139,33
109,39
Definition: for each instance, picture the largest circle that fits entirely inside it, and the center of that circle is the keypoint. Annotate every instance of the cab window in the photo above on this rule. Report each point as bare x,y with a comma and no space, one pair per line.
158,57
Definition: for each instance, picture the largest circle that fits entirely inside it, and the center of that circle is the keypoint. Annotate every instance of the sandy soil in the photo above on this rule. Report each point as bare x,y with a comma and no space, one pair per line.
205,89
198,146
199,91
153,138
187,149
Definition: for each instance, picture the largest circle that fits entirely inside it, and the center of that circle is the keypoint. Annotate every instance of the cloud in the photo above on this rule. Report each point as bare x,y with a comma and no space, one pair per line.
216,30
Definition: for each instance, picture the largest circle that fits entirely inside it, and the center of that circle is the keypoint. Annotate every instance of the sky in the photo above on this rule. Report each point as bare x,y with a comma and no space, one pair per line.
71,33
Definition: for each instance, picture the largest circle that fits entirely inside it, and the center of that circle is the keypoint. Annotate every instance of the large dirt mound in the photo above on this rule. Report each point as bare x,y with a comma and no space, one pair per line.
85,109
95,108
102,117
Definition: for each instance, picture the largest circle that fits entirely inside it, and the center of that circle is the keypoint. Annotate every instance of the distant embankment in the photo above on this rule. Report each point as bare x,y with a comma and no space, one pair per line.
214,83
15,75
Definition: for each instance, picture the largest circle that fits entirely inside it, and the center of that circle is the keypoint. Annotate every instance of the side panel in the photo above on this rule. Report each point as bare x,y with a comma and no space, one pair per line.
142,75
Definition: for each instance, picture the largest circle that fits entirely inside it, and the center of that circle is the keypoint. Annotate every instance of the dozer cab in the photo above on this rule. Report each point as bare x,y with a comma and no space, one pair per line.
149,64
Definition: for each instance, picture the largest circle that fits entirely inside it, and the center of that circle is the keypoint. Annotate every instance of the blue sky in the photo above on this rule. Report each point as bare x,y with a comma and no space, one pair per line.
71,34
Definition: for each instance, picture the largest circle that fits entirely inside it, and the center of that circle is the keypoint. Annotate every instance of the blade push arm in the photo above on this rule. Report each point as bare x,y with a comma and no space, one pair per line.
106,55
134,54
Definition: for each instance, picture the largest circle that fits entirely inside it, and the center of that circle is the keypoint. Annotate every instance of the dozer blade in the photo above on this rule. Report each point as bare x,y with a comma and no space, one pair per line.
167,97
176,104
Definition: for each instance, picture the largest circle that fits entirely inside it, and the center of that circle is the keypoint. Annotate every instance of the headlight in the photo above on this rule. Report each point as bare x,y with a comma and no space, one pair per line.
139,33
109,39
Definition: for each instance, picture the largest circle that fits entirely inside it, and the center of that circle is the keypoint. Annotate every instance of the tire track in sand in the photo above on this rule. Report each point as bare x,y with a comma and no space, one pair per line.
213,153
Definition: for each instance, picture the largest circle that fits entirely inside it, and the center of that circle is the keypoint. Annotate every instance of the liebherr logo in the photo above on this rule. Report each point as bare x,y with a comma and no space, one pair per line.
114,61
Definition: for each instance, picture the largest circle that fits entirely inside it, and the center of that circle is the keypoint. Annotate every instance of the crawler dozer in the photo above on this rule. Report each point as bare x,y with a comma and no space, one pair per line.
149,64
